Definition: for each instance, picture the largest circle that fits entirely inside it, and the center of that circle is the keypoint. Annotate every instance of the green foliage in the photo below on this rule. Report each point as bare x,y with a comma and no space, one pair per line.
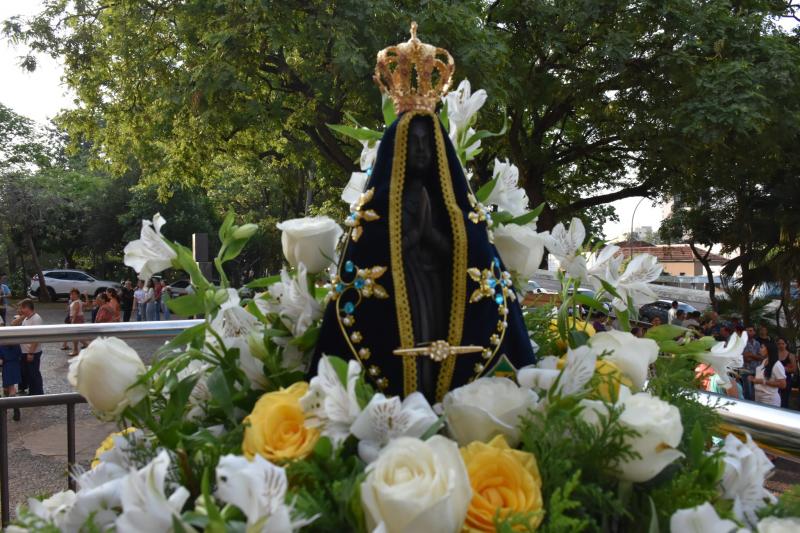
788,505
328,483
576,461
538,322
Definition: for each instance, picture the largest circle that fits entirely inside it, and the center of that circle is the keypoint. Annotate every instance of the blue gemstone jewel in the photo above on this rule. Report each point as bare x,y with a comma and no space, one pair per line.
340,287
359,283
498,299
353,215
349,307
349,266
369,172
497,262
492,283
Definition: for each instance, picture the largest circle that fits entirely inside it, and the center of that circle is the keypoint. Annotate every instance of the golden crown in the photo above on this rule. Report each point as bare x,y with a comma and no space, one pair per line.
414,74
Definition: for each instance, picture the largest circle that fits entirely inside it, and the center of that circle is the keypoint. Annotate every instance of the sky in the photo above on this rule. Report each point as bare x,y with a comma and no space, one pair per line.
40,95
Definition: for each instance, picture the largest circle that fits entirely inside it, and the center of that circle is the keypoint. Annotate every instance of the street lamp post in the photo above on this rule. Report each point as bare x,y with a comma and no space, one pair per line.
630,235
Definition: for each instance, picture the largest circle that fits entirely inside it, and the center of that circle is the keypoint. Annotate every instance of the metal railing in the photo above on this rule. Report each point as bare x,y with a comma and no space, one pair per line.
66,332
775,429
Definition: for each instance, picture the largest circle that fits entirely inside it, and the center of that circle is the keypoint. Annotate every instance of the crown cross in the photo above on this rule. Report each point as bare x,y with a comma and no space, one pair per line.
414,74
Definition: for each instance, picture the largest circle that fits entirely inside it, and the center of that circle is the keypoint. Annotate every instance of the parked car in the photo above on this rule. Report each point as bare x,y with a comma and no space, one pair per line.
661,309
179,288
60,282
533,287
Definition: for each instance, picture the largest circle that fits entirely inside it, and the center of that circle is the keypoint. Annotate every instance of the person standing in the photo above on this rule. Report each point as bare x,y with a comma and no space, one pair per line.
5,294
680,315
31,373
166,296
76,317
770,376
789,362
126,299
752,358
116,305
105,309
10,362
150,302
157,288
672,314
139,301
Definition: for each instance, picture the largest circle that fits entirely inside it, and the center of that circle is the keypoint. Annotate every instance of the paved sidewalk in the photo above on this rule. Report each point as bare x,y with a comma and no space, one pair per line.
38,443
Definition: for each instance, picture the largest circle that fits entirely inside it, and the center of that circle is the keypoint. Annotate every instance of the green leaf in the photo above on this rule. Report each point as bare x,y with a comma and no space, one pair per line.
340,366
307,340
434,429
185,337
187,305
665,332
577,338
486,189
261,283
483,134
324,448
588,301
444,117
502,217
387,106
233,249
653,528
528,217
364,392
359,134
227,224
220,391
609,288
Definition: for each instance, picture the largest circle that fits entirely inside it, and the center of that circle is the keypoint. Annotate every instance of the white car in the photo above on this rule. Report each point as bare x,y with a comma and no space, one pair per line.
61,282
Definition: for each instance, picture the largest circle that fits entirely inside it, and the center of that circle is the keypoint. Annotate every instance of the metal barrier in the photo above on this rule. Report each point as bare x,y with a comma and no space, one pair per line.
66,332
775,429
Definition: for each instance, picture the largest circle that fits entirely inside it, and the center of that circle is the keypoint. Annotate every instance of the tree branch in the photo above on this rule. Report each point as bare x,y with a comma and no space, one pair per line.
643,189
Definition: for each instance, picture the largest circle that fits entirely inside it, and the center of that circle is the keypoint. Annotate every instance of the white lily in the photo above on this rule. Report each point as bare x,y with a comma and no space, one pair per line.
565,244
369,153
258,488
604,265
700,519
634,283
462,105
355,187
145,505
746,468
235,325
724,356
293,302
578,370
384,419
149,254
506,194
632,355
328,404
55,509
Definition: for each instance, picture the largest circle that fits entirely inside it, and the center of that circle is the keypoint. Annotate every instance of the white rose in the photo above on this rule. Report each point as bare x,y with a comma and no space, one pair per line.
773,524
485,408
149,254
506,194
311,241
700,519
632,355
105,373
658,425
520,248
145,505
417,486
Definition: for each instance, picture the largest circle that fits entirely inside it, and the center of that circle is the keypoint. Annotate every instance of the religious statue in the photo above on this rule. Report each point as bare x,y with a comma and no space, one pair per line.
420,298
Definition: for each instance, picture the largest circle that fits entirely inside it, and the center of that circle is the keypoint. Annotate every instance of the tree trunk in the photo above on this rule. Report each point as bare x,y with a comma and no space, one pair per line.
44,294
712,289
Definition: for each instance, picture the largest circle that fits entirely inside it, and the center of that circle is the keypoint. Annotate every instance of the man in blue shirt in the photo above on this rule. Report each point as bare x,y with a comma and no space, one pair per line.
5,293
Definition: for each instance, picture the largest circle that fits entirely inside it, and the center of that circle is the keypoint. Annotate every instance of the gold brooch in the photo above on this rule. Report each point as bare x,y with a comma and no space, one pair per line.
438,350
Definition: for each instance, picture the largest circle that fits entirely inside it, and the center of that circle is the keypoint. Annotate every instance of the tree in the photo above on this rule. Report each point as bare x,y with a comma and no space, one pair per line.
600,95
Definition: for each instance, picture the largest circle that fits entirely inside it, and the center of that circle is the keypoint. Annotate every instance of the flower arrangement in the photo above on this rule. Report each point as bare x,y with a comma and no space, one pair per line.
223,432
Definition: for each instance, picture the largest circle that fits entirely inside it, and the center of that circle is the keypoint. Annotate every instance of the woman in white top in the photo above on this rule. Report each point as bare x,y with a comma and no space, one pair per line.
770,376
76,317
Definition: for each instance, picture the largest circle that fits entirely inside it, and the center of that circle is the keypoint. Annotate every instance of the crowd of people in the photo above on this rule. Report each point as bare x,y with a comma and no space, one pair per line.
20,363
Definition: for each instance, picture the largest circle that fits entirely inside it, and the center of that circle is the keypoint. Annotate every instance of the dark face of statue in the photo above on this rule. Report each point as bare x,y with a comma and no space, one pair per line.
420,145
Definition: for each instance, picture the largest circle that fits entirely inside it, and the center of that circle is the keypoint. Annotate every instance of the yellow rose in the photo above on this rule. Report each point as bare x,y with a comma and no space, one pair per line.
579,325
108,444
276,428
502,479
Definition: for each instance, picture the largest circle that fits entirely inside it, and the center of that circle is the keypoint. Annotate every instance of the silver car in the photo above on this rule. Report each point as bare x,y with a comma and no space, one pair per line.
60,282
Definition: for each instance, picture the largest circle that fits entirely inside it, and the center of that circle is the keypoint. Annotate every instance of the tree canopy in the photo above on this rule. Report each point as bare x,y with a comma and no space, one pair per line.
606,99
